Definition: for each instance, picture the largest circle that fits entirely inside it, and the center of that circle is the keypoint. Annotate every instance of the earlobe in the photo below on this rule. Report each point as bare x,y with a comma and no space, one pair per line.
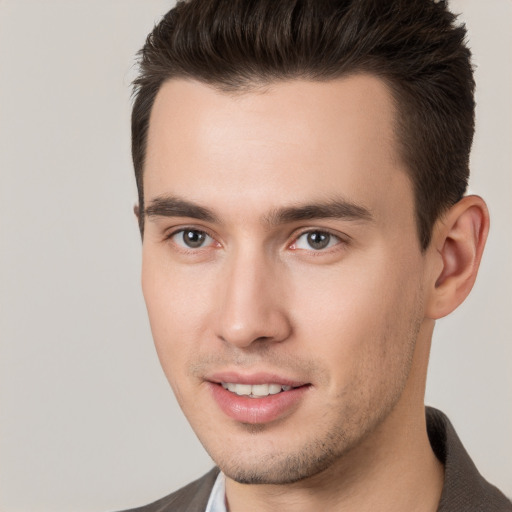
458,241
136,210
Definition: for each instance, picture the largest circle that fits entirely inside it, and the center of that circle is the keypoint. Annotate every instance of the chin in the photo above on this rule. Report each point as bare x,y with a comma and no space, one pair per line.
282,468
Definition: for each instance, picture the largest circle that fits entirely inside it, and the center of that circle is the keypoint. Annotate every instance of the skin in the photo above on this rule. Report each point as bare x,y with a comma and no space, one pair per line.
353,320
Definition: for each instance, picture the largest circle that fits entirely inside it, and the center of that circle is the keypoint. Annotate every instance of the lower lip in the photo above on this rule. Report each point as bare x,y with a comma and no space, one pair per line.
257,410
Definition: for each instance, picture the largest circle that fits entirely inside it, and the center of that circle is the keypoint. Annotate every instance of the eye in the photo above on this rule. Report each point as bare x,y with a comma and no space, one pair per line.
191,238
316,240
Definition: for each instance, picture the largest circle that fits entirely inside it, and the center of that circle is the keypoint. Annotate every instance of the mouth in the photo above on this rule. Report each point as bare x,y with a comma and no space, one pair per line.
257,399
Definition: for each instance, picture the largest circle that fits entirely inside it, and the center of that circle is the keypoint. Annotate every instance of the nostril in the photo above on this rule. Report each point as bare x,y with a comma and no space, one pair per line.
262,339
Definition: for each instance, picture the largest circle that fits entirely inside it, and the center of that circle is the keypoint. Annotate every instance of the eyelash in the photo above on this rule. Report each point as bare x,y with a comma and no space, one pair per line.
340,240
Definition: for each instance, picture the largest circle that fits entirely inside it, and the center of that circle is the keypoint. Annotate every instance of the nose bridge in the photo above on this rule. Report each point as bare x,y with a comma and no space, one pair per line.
251,307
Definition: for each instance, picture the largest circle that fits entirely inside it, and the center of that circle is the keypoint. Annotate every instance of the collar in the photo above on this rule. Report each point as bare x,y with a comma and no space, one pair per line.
464,489
217,500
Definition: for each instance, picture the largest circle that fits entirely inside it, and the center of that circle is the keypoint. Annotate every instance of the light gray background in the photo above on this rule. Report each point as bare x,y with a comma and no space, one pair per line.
87,421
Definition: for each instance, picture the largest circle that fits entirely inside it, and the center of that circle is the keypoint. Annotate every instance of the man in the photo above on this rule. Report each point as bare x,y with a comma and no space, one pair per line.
301,169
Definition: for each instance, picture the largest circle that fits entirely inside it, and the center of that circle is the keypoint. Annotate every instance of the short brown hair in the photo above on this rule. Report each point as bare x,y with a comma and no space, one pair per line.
415,46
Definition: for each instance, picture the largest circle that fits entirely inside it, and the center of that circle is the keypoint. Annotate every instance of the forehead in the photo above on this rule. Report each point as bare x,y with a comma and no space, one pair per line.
292,142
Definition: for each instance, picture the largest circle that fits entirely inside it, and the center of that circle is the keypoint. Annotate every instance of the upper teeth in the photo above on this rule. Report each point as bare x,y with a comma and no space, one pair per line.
255,390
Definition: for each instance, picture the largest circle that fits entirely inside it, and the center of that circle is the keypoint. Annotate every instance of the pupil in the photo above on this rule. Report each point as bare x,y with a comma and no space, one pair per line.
318,240
193,239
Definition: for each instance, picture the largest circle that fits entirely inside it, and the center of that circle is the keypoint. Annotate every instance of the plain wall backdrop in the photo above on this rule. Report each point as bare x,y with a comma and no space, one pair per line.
87,419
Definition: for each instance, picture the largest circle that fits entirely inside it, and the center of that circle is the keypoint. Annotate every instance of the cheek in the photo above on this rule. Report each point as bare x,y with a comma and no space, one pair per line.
342,301
361,317
175,302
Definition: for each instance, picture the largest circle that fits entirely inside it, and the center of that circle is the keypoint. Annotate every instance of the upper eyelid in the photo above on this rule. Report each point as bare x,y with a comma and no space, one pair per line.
341,236
170,232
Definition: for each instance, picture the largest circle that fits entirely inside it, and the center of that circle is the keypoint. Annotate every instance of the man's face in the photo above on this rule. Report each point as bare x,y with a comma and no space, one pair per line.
281,261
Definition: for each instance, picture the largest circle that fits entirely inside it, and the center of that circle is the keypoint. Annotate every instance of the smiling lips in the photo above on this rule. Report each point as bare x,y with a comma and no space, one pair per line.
259,403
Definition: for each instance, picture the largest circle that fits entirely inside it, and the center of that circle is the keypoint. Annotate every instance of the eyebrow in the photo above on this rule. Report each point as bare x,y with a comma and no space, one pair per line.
170,206
334,209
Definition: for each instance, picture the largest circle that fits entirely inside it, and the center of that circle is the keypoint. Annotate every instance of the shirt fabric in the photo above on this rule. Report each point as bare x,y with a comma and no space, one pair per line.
217,501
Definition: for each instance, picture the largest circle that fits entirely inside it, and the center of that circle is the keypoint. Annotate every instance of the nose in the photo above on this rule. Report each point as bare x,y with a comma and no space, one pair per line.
252,307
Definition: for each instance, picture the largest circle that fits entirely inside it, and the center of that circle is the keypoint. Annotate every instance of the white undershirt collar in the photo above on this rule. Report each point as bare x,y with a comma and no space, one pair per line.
217,500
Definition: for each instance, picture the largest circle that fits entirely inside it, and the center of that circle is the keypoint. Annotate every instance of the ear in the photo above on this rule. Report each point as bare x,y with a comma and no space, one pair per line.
456,250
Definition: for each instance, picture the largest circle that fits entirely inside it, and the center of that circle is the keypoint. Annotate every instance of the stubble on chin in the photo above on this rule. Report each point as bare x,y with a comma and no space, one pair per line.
285,468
